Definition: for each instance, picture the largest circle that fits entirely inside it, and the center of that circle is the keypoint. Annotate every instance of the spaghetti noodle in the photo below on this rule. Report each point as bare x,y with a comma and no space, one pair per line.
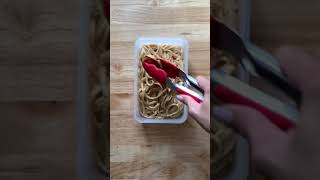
155,99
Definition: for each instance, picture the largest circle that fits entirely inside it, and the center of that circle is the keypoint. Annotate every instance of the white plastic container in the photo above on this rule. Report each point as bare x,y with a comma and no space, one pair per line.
159,40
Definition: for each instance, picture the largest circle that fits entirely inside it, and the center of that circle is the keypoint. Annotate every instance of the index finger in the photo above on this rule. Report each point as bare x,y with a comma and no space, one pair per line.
204,83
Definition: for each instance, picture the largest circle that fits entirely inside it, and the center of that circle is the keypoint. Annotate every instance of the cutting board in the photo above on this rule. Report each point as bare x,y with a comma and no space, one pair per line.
155,151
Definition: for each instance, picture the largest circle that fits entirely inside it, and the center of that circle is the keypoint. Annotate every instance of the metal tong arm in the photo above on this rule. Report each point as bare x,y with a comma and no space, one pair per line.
273,76
182,90
226,39
190,81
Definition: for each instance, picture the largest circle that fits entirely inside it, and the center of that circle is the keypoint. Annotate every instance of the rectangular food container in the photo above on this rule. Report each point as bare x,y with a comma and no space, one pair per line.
158,40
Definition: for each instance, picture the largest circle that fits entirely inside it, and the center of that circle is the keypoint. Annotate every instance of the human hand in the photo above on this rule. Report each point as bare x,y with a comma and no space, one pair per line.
200,112
277,154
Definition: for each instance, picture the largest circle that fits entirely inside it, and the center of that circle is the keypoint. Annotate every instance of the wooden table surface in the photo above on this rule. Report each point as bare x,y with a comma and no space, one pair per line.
37,140
30,145
287,22
37,67
38,50
155,151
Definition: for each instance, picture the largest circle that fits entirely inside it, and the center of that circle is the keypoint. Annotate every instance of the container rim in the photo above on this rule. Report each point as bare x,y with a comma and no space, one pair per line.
158,40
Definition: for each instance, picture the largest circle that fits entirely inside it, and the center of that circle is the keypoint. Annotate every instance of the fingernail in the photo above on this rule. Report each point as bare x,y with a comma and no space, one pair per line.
179,97
223,114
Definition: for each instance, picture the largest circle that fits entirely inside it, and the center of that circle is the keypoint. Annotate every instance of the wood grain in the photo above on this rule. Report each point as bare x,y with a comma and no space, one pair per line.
162,3
155,151
157,15
37,65
280,23
38,50
37,141
196,32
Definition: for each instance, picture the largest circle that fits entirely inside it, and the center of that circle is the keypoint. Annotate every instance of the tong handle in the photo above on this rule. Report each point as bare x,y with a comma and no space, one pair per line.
191,81
278,79
228,96
185,91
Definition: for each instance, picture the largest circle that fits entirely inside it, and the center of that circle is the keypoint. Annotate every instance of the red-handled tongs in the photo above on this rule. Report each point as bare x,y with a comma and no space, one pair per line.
258,63
163,71
231,90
